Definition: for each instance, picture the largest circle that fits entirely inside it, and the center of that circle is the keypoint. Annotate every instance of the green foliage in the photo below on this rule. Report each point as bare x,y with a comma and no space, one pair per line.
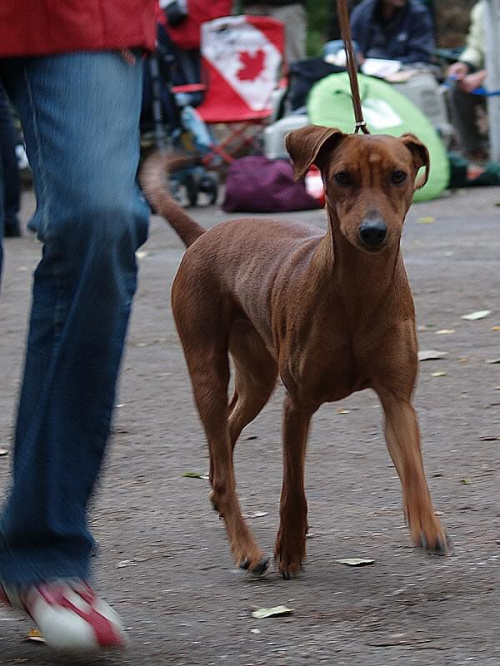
317,25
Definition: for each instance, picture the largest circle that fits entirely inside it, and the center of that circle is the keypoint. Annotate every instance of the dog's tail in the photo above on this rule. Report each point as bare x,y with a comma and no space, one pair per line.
153,178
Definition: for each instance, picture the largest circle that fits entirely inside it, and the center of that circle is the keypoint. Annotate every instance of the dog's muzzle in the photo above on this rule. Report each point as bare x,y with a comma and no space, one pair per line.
373,233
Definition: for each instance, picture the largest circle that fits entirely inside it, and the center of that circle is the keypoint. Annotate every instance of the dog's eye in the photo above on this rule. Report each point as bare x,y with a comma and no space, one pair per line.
398,177
343,178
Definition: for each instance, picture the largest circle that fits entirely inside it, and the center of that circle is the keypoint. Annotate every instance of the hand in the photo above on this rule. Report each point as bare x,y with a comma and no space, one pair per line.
458,71
473,81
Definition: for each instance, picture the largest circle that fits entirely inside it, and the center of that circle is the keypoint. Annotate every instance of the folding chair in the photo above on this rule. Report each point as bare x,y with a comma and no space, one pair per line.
242,59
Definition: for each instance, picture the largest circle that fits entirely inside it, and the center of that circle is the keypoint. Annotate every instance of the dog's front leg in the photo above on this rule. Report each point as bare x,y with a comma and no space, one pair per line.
290,546
403,441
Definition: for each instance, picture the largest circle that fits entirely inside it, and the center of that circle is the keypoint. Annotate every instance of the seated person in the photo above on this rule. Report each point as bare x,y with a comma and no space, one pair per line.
469,74
394,30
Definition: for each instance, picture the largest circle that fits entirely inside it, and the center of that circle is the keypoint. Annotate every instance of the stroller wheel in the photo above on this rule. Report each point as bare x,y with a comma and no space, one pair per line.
209,184
191,190
175,190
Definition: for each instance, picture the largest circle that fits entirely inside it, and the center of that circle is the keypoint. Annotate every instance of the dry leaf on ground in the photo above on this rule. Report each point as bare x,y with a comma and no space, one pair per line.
474,316
431,355
35,636
262,613
355,561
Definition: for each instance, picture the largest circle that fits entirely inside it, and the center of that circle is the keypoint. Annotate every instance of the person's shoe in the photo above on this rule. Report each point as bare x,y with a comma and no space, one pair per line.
12,231
70,616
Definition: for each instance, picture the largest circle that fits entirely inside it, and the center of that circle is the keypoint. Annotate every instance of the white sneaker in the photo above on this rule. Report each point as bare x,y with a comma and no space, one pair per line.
70,616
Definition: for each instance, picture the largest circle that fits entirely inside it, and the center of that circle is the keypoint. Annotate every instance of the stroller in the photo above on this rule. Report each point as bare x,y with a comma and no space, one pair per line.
170,121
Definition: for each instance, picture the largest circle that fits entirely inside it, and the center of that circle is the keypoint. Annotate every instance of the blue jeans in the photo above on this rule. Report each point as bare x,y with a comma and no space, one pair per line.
11,178
80,116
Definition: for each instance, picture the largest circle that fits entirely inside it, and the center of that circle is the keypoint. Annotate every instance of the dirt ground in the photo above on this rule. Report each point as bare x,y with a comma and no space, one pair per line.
163,560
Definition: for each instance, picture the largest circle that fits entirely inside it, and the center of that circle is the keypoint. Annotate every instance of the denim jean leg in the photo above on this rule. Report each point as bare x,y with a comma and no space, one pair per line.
11,176
2,219
80,115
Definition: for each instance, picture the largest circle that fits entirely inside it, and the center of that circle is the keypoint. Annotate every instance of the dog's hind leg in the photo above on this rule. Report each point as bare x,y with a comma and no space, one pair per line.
403,442
290,548
256,373
205,340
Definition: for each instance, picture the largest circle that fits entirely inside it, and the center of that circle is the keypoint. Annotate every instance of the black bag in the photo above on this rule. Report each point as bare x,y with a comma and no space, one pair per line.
303,75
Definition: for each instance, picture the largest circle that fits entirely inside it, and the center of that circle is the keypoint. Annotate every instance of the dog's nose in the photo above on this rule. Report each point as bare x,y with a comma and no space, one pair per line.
373,232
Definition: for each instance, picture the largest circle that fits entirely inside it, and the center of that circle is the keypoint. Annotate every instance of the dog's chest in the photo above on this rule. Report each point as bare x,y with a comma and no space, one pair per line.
326,370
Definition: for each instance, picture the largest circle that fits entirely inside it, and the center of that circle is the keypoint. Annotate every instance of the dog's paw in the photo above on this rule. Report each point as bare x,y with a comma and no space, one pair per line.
431,536
290,555
440,546
289,570
258,569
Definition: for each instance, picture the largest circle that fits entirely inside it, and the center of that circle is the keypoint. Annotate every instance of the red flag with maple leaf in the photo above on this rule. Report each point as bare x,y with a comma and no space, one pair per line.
252,65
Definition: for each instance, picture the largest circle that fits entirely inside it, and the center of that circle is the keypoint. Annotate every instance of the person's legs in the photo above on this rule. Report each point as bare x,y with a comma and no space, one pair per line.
464,109
80,115
11,180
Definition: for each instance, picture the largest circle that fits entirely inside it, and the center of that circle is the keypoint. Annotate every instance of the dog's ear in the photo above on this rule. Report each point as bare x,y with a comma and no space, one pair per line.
420,156
306,145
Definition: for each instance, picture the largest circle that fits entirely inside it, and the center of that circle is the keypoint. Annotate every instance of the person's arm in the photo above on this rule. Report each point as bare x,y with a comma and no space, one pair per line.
458,70
473,81
473,55
421,43
359,29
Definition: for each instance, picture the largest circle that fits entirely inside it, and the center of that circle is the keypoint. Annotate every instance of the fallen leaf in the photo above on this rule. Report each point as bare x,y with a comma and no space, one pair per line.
431,355
355,561
126,563
426,220
262,613
35,636
466,482
194,475
439,374
474,316
445,331
256,514
495,328
343,411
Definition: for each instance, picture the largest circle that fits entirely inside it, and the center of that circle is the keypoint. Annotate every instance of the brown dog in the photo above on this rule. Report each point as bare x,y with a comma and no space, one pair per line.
329,313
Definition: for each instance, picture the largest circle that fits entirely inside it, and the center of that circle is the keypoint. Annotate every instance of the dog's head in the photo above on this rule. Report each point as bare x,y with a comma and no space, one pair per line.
369,179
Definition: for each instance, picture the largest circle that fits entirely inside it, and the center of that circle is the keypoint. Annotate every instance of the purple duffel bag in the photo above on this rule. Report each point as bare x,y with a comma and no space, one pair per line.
257,184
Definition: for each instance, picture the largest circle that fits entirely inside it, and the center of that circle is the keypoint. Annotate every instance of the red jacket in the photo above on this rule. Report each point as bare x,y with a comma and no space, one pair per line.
43,27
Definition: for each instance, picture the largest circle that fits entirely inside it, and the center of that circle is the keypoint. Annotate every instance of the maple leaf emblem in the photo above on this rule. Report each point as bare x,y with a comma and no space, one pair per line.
251,65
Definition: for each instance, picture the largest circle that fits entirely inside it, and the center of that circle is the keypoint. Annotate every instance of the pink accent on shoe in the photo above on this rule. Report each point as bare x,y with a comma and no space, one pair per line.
105,631
69,615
